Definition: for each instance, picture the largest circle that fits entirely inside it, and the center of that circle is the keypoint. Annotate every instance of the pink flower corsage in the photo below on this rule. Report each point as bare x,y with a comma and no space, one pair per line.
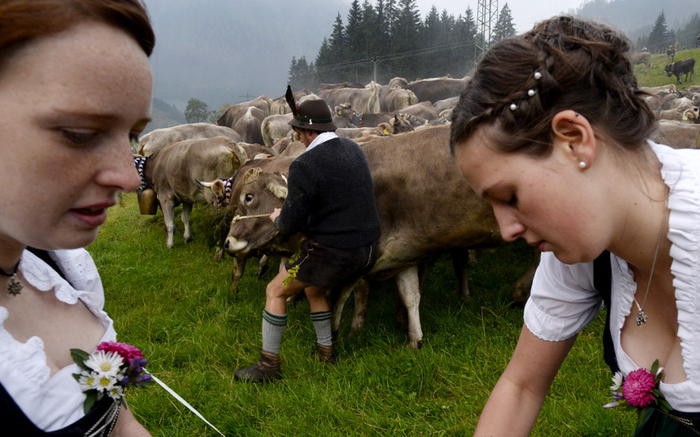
639,390
109,371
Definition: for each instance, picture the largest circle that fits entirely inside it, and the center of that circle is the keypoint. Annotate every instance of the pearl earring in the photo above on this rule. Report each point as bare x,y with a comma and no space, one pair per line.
582,164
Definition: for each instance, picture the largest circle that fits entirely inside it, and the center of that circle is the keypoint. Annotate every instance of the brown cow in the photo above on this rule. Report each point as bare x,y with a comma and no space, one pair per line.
246,120
274,127
345,116
172,171
644,58
279,106
431,90
361,99
154,140
398,124
395,99
425,206
678,134
422,110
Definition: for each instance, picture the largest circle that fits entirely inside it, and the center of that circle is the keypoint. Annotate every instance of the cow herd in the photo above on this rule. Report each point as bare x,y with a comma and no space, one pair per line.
426,207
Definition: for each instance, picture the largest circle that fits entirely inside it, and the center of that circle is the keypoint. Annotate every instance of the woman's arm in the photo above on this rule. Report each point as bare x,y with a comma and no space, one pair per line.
515,402
128,426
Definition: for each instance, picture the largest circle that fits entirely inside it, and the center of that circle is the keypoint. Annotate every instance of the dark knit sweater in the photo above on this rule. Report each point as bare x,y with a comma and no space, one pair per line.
331,197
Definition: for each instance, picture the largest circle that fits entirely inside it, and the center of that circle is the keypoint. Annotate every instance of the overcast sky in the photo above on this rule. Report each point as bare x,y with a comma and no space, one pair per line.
525,12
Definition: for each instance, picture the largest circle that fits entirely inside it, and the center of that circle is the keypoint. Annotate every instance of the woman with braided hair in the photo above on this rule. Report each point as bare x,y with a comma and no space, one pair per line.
552,131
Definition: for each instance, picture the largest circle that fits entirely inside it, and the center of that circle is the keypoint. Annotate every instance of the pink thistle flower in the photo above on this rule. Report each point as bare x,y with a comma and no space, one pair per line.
126,351
637,388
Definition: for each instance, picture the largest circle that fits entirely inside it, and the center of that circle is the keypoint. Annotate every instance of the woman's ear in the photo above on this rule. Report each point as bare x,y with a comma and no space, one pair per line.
574,133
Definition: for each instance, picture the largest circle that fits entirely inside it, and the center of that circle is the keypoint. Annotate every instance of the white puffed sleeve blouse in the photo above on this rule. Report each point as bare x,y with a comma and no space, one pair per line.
53,402
563,299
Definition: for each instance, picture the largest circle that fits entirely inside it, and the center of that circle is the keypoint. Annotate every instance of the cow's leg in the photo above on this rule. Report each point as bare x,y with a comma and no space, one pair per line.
168,207
460,264
263,265
361,289
522,287
237,272
337,312
186,213
409,290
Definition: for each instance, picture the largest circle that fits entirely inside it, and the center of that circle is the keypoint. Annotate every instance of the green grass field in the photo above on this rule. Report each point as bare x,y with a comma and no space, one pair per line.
176,305
656,76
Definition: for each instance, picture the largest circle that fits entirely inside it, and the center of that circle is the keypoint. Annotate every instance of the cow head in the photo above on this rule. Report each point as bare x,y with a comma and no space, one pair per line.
217,192
692,113
344,110
669,70
397,125
255,195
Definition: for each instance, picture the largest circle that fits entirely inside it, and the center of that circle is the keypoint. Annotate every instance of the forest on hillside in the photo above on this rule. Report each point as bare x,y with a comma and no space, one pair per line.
388,38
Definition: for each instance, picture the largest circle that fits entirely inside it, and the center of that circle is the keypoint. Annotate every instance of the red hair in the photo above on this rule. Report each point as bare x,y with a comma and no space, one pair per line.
24,20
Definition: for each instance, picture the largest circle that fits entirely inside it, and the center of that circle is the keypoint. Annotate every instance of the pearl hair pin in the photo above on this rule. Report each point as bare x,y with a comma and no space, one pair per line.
531,92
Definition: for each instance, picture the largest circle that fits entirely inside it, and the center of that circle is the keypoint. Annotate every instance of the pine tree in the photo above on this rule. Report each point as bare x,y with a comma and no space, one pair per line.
301,74
658,38
354,36
504,26
337,52
466,32
405,36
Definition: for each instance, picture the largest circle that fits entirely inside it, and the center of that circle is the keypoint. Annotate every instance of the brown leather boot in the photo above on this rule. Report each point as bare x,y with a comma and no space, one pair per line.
265,370
325,353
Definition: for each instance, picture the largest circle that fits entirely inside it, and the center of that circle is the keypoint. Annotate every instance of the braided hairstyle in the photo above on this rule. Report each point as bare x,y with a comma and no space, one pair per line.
562,63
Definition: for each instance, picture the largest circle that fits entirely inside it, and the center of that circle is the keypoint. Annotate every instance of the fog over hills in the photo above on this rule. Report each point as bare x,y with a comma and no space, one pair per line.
228,51
219,51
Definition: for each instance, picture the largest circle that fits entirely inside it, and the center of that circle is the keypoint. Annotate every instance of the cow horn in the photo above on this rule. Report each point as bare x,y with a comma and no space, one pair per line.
251,175
239,153
204,184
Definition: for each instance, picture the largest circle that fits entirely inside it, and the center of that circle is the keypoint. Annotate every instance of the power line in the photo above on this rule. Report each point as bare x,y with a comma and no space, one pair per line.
375,59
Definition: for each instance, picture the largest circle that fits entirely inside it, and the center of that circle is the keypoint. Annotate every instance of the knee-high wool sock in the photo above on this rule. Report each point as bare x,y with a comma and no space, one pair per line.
322,324
273,327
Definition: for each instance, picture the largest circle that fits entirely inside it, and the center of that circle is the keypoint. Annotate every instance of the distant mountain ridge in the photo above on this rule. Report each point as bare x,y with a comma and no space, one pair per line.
637,17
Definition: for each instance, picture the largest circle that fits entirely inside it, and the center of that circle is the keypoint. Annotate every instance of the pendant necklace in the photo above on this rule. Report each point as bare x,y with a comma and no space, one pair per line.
14,285
641,316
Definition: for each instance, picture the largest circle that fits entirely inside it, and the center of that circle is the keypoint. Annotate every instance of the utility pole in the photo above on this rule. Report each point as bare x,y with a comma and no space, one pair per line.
486,20
375,61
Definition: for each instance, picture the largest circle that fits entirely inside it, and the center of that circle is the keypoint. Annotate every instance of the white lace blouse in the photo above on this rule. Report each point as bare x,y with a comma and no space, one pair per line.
56,402
563,299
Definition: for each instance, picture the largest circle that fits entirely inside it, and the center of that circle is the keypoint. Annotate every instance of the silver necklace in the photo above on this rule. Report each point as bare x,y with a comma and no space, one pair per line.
641,316
14,285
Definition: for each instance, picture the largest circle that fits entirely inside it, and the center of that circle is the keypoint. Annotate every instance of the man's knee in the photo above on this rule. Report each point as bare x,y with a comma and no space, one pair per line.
280,288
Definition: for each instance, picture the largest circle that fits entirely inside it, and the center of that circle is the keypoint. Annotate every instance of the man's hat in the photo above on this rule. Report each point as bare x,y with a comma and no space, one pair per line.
312,115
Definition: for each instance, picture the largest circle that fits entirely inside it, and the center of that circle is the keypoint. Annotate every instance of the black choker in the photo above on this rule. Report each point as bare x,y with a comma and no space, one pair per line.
14,285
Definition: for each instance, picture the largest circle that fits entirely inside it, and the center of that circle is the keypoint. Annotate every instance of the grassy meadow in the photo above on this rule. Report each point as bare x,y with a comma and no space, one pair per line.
176,305
656,76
